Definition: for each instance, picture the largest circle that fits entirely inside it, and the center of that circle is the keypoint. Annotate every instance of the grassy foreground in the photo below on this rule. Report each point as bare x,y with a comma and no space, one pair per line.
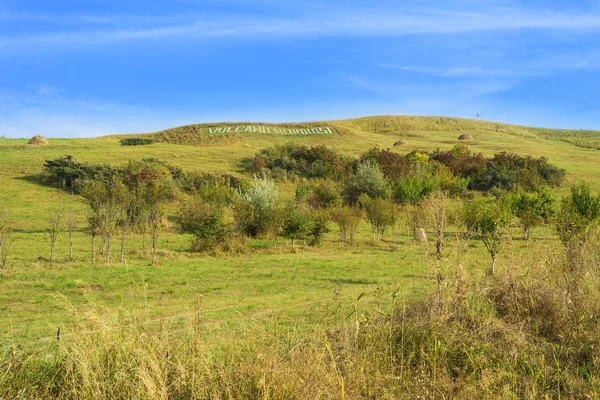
328,322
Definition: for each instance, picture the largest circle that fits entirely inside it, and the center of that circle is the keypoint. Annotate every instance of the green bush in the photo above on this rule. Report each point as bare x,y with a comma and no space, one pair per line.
368,179
135,142
65,173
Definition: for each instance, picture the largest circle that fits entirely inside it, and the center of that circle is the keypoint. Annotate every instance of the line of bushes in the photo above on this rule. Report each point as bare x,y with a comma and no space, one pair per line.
457,168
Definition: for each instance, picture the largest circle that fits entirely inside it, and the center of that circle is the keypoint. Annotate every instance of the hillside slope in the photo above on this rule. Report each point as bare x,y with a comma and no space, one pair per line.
198,134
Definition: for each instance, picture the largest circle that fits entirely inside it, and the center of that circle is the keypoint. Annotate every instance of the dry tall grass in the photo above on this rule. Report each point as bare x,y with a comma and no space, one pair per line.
529,332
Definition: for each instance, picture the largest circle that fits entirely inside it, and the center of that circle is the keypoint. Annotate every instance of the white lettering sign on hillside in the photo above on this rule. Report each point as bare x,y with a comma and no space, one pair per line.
270,130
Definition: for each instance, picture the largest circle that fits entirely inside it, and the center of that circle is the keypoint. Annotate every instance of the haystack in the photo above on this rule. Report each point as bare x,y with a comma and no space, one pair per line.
465,136
38,140
400,142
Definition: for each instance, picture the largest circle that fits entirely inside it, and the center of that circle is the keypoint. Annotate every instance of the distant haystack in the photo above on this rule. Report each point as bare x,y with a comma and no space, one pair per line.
465,136
400,142
38,140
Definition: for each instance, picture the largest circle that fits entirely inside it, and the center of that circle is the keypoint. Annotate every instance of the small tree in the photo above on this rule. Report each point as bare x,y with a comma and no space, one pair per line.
320,225
379,213
487,219
95,195
262,196
532,209
277,218
368,179
436,213
577,213
55,221
6,238
347,219
297,225
204,221
413,188
156,194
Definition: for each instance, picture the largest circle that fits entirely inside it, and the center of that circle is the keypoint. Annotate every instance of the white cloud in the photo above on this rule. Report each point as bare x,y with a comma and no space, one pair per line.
352,23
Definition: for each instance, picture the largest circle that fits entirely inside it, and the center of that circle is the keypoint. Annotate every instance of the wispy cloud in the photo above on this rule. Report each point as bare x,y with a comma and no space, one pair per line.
454,72
353,23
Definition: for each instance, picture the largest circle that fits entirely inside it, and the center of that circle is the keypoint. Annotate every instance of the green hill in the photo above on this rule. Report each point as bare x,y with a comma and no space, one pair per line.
386,125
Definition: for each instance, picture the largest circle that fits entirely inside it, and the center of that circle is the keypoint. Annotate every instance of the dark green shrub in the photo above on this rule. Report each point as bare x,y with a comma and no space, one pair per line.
135,142
65,172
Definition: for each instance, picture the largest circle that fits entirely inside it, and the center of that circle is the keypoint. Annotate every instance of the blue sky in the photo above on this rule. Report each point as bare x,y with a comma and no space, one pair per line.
78,68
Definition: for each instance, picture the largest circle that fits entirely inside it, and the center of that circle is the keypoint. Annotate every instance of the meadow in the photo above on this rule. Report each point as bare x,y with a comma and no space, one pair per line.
312,315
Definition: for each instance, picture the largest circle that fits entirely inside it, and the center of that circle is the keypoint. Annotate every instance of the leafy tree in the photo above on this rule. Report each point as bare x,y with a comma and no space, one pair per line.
203,220
320,225
413,188
54,226
262,196
368,179
303,192
157,194
577,213
326,194
380,213
532,209
436,214
347,219
487,219
297,225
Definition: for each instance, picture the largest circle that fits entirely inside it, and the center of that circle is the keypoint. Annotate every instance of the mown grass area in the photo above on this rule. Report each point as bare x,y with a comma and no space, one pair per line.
239,301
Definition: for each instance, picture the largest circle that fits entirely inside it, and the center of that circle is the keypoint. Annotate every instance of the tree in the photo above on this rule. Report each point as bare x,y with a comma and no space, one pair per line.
277,218
262,196
380,213
320,225
436,213
55,221
577,213
487,219
532,209
204,221
369,179
413,188
95,195
156,194
347,219
297,225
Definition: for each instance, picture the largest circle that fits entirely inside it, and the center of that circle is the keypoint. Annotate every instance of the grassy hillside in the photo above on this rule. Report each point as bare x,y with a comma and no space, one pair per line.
266,295
397,126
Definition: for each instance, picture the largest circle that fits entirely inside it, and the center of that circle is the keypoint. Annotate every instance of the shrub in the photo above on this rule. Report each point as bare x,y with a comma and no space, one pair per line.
203,220
577,213
326,194
532,209
262,196
298,224
380,213
291,160
347,219
413,188
368,179
393,165
487,219
65,173
135,142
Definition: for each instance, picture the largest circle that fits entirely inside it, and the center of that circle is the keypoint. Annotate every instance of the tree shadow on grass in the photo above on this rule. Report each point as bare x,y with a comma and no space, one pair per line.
35,179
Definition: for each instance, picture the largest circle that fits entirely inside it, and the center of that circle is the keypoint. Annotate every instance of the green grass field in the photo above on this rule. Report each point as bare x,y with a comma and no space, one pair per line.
238,289
238,295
